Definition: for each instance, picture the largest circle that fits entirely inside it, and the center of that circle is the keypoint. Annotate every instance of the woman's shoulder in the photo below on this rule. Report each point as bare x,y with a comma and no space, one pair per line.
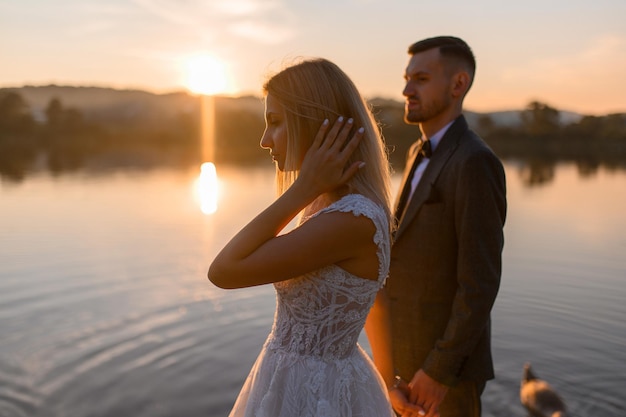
356,203
359,205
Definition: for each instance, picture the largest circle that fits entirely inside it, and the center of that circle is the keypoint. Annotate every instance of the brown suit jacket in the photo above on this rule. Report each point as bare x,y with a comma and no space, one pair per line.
446,262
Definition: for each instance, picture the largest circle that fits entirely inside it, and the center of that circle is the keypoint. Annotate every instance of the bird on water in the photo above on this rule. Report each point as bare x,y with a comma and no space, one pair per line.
539,398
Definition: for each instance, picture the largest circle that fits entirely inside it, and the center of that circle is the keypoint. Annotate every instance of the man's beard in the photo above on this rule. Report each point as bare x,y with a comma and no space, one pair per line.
425,113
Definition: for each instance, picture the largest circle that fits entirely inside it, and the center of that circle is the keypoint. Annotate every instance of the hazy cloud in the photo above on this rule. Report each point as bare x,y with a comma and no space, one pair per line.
185,13
587,66
263,21
244,7
261,32
91,27
588,76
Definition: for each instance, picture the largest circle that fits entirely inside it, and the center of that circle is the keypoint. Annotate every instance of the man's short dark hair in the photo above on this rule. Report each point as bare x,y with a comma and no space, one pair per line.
449,47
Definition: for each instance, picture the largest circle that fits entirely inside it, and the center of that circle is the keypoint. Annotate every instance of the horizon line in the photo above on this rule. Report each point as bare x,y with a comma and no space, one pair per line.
243,94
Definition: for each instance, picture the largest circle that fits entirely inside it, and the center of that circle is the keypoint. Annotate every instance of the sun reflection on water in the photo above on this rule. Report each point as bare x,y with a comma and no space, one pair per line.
207,188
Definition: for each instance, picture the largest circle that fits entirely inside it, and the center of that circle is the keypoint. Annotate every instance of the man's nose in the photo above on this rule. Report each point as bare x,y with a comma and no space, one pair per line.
408,90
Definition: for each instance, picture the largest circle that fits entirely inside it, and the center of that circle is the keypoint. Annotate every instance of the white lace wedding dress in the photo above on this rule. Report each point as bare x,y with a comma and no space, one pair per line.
311,364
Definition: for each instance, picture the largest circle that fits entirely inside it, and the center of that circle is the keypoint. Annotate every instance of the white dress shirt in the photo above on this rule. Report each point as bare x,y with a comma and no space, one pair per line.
419,170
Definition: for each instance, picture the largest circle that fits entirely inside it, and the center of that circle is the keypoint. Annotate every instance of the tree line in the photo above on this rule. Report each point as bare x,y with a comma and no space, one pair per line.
65,139
542,141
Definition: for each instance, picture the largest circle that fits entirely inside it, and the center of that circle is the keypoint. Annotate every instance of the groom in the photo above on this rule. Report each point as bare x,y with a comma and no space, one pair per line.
446,256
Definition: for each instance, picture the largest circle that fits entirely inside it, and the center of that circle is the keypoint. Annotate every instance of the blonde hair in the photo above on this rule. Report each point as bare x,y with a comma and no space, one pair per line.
316,89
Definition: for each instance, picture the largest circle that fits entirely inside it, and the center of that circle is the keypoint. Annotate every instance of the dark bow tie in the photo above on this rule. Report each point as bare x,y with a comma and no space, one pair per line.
426,149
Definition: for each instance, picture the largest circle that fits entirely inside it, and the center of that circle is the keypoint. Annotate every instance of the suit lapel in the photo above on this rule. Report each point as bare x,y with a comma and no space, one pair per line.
407,170
448,144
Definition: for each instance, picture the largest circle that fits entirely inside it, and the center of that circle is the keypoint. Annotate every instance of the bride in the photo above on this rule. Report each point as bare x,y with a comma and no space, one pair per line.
328,270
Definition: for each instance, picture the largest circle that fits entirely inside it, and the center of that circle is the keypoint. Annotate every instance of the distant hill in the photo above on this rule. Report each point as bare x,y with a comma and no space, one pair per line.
104,128
111,105
513,118
108,104
510,118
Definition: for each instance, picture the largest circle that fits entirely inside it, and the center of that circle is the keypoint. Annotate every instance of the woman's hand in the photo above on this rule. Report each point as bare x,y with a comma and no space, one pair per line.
324,166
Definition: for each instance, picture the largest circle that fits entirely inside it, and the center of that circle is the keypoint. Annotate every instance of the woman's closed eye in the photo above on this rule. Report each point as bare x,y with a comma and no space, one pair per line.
272,119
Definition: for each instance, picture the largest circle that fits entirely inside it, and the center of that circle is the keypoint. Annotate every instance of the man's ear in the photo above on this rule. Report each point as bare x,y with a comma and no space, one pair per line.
460,84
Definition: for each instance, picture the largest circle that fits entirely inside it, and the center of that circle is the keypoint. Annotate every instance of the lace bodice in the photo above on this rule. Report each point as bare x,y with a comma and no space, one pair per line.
323,312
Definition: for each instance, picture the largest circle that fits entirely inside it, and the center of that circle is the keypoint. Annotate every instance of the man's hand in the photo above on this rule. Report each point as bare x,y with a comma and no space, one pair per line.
427,393
399,397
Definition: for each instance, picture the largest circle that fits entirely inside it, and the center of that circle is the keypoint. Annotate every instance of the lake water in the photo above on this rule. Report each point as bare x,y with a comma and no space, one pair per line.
105,309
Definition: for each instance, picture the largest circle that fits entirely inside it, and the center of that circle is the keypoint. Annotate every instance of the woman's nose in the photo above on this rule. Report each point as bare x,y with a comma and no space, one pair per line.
266,142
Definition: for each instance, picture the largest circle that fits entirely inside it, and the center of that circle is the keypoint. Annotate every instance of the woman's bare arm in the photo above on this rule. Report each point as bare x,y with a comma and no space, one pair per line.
257,255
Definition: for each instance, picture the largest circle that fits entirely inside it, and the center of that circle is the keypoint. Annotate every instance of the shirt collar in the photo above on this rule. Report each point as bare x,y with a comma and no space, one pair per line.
436,138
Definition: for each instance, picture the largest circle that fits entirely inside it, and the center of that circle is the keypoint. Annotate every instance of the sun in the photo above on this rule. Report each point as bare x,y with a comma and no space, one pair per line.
206,74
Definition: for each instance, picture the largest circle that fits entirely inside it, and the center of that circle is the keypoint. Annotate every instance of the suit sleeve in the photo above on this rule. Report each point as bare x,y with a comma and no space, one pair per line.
479,211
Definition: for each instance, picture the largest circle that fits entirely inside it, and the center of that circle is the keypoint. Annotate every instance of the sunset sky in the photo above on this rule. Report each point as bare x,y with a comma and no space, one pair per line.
570,54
